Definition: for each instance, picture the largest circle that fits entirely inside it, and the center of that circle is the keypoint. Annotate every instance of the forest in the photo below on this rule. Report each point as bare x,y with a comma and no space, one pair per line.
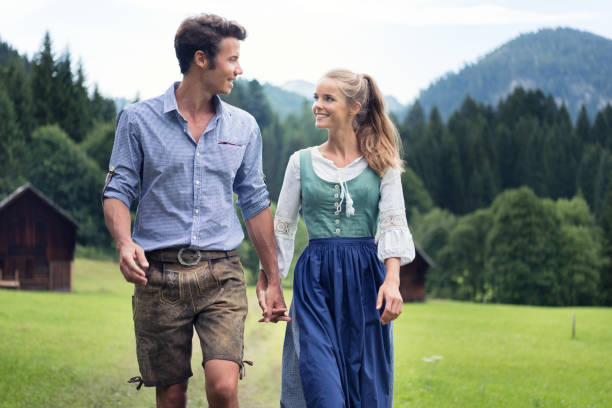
513,202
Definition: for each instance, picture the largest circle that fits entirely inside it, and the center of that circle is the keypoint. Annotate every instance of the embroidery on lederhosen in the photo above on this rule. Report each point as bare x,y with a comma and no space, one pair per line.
109,176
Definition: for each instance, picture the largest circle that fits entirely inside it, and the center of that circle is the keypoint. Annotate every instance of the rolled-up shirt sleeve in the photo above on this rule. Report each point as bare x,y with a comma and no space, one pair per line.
249,184
125,162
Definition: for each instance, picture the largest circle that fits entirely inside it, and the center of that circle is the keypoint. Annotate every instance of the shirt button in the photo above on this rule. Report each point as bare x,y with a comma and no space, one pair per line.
336,204
197,181
197,153
336,187
185,130
337,221
197,211
336,195
337,212
337,230
195,238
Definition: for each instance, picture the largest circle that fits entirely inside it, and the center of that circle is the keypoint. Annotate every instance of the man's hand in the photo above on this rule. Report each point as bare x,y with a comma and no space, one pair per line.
132,261
271,300
389,291
117,217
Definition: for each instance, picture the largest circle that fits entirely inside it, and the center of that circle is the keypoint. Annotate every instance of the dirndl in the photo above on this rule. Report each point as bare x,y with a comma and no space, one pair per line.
337,353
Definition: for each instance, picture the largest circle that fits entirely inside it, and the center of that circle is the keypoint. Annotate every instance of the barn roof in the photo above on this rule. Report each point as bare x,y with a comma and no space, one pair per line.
424,255
29,187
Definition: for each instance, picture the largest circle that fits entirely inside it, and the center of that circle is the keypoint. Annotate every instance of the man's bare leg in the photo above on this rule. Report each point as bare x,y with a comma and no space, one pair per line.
172,396
221,383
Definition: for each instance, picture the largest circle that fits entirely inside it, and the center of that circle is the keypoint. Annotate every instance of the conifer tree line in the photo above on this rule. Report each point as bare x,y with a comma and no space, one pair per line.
512,202
521,204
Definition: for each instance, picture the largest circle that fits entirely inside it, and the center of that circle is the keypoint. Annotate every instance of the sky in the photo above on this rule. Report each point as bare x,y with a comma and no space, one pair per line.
126,46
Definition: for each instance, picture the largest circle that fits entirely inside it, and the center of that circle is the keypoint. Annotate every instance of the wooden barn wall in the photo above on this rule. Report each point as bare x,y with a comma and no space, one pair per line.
36,245
61,275
29,226
412,282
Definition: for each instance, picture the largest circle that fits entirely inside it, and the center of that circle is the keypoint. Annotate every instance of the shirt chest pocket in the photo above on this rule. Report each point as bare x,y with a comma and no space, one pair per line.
229,155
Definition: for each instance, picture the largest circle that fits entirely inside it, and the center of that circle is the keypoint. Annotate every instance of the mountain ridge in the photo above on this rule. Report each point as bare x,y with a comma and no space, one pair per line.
573,66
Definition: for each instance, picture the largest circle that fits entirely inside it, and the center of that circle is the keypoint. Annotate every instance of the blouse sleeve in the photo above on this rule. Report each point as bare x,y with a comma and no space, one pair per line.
393,236
286,217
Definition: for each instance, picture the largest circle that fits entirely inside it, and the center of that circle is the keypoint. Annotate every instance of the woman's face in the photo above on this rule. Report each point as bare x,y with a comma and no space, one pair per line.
330,108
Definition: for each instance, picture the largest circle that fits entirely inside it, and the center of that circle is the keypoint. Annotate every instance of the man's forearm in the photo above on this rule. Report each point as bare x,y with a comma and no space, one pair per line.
118,221
261,232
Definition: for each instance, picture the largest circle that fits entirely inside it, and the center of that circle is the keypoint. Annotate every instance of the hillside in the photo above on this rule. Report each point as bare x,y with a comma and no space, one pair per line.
574,66
284,102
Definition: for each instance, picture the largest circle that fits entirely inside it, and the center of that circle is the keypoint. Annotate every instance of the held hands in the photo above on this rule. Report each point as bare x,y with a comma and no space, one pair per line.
132,262
389,292
271,300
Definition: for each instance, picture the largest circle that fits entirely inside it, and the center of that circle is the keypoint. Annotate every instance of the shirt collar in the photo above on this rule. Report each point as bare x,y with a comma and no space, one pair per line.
170,103
170,98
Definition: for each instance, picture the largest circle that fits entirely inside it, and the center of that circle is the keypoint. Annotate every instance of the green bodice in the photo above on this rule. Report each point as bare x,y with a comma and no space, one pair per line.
320,198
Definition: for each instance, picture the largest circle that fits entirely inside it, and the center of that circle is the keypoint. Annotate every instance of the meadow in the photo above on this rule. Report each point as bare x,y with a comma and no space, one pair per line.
77,350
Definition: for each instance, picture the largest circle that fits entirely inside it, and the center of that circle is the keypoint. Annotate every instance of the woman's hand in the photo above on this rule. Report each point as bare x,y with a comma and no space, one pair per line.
389,292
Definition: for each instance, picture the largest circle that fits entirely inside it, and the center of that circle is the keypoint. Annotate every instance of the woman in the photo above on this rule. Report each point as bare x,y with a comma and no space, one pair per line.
338,348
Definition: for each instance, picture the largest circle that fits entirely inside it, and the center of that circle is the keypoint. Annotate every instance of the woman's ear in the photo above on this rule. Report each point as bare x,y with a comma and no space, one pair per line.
355,108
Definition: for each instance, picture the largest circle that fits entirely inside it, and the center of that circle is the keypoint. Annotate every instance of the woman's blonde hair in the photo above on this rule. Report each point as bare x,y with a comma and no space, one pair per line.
378,138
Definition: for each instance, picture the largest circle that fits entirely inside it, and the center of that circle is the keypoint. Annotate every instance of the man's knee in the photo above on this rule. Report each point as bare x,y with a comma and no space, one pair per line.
224,389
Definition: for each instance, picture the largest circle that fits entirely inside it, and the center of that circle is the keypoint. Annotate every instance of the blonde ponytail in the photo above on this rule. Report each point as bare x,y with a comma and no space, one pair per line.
378,138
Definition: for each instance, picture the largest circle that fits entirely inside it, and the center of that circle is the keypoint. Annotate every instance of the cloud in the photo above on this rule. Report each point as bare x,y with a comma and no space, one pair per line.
415,13
16,10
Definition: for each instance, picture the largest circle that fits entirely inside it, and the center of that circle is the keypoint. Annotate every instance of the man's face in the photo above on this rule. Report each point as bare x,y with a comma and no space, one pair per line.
220,80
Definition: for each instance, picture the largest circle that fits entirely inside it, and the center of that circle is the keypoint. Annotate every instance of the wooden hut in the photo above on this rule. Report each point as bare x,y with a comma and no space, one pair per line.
412,277
37,241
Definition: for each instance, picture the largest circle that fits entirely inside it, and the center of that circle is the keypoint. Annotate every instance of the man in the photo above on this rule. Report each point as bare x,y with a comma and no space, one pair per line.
183,155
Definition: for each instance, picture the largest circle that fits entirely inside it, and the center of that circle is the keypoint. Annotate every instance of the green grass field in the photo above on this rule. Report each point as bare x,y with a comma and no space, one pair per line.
77,350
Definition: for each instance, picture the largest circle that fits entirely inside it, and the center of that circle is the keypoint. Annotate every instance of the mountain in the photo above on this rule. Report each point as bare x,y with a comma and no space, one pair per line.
574,66
285,102
395,106
289,98
300,87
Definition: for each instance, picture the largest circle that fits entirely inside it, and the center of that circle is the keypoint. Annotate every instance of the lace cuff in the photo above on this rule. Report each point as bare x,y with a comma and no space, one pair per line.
284,227
392,220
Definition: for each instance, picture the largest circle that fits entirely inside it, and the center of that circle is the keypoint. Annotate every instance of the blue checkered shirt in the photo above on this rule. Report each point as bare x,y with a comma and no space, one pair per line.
185,189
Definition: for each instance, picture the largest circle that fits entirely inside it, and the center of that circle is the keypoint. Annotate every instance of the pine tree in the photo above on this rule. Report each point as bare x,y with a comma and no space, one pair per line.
43,74
583,127
102,109
602,127
19,88
63,102
79,118
413,126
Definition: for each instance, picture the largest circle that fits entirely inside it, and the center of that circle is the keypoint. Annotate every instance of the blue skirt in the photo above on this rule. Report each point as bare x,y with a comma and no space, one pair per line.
337,353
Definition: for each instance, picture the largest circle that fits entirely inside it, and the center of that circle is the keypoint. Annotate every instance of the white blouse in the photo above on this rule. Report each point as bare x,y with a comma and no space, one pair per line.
393,236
